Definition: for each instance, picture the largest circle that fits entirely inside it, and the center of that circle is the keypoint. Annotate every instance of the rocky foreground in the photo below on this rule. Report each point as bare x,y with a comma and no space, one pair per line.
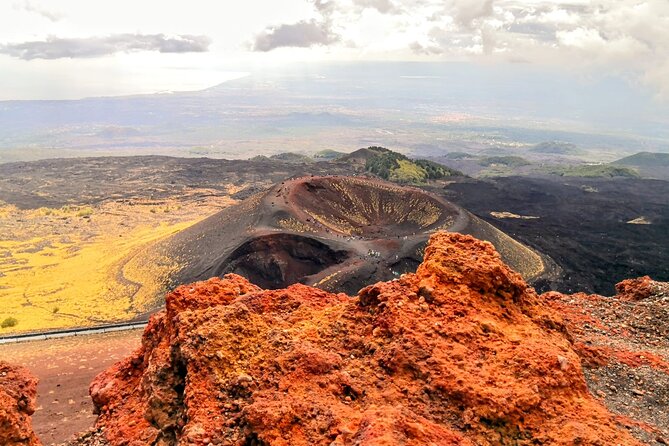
462,352
18,389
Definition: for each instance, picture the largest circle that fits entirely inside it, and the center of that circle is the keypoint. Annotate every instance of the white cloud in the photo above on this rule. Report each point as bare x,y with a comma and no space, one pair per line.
558,16
466,12
383,6
76,48
582,38
616,36
302,34
656,77
619,36
31,6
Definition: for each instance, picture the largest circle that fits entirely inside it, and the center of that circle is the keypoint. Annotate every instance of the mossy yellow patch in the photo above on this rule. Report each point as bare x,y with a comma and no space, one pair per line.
6,210
408,172
79,265
52,282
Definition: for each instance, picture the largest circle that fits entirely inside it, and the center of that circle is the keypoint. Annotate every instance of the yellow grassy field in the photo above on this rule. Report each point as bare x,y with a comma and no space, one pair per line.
80,266
76,283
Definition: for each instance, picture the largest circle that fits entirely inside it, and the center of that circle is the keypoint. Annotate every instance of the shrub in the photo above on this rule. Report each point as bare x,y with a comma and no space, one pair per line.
85,212
9,322
436,171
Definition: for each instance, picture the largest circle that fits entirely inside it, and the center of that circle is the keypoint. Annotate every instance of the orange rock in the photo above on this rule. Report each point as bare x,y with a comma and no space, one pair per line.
636,289
463,352
18,389
623,342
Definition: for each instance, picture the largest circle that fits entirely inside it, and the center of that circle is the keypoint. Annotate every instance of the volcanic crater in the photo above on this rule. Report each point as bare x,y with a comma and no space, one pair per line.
368,209
332,232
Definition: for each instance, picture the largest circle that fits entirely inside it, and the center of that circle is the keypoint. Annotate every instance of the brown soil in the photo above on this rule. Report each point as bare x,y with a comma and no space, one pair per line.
65,368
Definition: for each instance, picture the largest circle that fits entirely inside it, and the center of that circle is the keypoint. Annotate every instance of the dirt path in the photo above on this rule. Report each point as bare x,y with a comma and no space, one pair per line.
65,368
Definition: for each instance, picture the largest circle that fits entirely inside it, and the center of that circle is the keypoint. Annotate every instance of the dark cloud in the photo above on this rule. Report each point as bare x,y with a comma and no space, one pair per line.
302,34
58,48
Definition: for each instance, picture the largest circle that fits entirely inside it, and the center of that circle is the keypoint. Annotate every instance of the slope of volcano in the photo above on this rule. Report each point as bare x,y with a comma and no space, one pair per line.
332,232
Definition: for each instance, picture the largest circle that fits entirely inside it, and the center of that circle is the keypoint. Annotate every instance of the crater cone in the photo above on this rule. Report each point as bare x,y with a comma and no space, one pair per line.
274,260
336,233
365,208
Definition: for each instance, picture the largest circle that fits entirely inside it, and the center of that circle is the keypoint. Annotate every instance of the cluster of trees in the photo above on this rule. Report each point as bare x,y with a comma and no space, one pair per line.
384,163
394,166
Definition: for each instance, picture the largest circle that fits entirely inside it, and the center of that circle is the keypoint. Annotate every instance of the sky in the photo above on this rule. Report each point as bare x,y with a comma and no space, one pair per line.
67,49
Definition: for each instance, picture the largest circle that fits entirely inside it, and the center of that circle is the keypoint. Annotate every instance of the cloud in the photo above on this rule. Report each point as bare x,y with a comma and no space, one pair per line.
73,48
466,11
629,38
419,48
656,78
581,38
302,34
30,6
383,6
325,7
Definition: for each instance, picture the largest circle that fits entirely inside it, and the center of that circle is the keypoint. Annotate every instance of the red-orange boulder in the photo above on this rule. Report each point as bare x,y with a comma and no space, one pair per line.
462,352
637,289
18,389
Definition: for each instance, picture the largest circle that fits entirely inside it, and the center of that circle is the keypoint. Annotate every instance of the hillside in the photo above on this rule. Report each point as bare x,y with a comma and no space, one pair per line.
595,171
645,159
510,161
286,157
555,148
328,155
393,166
361,156
459,155
399,168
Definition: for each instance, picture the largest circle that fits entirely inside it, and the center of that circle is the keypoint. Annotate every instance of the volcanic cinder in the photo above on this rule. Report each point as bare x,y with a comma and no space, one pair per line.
462,352
335,233
18,390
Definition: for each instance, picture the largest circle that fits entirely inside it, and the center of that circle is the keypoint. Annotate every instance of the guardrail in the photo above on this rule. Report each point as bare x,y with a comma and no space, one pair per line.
66,333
